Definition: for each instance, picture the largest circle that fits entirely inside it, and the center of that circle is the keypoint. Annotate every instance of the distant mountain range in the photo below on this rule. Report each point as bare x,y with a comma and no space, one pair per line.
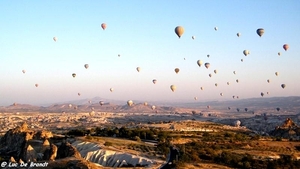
88,105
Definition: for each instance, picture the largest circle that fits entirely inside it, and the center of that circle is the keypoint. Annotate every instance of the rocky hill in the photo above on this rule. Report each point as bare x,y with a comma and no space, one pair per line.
287,130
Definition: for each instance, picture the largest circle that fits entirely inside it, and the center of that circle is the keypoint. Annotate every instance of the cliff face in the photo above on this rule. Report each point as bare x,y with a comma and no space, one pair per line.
93,152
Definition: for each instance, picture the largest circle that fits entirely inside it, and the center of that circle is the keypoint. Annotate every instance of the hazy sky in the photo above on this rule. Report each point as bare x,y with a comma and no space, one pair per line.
142,32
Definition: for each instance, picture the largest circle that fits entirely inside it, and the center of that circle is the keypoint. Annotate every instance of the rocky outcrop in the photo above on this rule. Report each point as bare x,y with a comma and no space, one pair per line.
31,154
67,150
94,153
19,143
43,134
73,163
287,130
14,142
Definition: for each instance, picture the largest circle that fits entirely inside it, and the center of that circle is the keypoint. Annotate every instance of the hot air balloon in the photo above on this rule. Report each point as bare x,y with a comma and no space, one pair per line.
237,97
24,71
201,88
55,39
246,109
227,83
193,37
286,47
199,62
70,105
267,92
260,31
86,66
238,34
234,72
246,52
179,30
153,107
101,103
119,55
283,86
36,85
208,56
216,84
279,53
138,69
173,88
129,102
242,60
216,28
154,81
276,73
208,107
103,25
145,103
233,97
215,71
176,70
268,81
207,65
238,110
229,108
209,75
277,108
111,89
90,101
74,75
237,123
237,80
262,94
195,98
221,94
78,94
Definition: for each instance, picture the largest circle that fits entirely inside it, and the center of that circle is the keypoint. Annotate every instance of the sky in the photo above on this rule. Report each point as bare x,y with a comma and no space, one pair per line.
142,33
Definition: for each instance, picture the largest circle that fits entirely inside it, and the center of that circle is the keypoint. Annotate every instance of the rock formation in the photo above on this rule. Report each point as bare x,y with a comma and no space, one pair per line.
287,130
67,150
94,153
14,142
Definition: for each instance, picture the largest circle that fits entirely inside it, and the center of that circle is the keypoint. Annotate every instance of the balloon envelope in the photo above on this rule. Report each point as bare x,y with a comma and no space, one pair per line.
173,88
207,65
129,102
86,66
55,39
74,74
260,31
246,52
24,71
138,69
103,25
177,70
238,34
283,86
179,30
154,81
199,62
285,47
